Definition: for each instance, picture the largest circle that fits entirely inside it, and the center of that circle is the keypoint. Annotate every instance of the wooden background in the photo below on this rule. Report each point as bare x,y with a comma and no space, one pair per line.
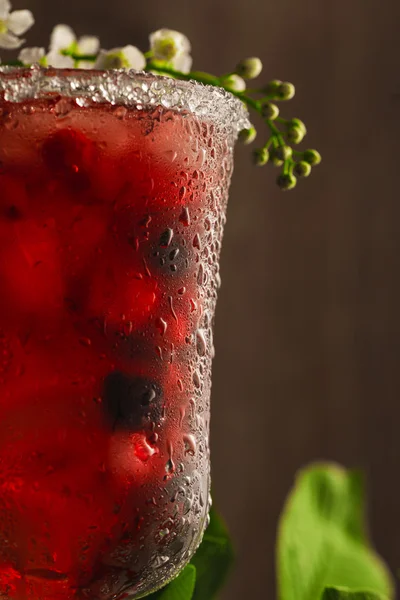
308,324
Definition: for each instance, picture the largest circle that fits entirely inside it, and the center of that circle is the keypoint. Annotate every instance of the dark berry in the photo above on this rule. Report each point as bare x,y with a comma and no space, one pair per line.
69,154
132,402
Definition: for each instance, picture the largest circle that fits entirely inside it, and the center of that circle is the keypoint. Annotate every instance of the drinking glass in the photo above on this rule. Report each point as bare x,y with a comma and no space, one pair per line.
113,192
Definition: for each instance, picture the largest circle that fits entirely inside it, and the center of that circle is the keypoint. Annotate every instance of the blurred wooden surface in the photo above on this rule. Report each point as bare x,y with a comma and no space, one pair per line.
307,336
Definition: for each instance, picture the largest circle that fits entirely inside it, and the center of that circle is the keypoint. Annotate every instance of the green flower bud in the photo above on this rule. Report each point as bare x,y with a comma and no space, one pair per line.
298,123
249,68
286,181
269,111
302,169
234,83
282,153
260,157
286,91
247,136
271,89
312,157
295,135
276,161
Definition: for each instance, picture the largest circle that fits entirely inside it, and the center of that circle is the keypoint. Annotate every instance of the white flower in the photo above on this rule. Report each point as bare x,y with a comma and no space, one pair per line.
172,47
13,24
63,40
30,56
128,57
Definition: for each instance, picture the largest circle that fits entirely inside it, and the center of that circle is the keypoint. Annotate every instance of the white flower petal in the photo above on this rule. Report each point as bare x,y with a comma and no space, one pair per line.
5,8
30,56
128,57
61,38
101,60
20,21
134,57
182,62
168,43
59,61
10,41
85,64
88,44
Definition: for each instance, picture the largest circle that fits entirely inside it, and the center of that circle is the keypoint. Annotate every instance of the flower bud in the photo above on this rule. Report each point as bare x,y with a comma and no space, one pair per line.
277,162
271,89
312,157
295,135
302,169
269,111
260,157
247,136
282,153
286,181
286,91
297,123
234,83
249,68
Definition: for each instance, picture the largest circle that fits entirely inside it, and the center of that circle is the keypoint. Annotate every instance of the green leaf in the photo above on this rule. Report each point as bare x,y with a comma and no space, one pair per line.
322,538
213,559
340,593
181,588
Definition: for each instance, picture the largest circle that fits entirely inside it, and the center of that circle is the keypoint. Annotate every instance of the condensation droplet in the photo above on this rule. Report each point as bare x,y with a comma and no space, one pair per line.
184,217
182,193
190,444
63,107
161,325
196,379
169,467
159,561
120,112
200,274
197,242
201,344
166,238
171,306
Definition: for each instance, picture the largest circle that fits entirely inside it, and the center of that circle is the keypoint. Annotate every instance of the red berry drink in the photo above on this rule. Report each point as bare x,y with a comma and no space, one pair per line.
113,190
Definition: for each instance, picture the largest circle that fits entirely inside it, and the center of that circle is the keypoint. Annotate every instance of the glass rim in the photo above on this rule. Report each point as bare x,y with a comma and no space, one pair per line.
122,87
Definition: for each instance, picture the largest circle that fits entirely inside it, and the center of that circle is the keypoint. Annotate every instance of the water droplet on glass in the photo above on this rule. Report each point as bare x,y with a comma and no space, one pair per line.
171,155
190,444
197,242
200,275
63,107
120,112
166,238
201,343
182,193
161,325
184,217
141,447
196,379
170,467
159,561
171,306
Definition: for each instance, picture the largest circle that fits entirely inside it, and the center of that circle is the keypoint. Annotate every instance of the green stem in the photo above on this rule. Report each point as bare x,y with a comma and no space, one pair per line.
78,57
